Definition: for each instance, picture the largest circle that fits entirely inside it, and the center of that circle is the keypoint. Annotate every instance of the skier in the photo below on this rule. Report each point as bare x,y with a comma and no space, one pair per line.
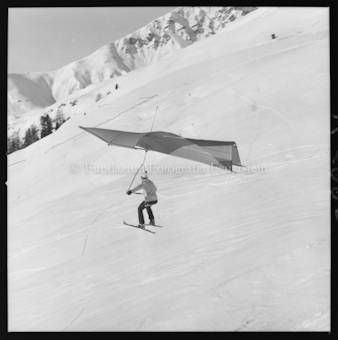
150,199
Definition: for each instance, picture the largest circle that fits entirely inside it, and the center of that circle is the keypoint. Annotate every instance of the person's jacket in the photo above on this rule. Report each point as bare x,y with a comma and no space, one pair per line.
149,190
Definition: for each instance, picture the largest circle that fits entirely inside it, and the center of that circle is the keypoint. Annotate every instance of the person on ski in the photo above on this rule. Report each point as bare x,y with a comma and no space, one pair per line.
150,199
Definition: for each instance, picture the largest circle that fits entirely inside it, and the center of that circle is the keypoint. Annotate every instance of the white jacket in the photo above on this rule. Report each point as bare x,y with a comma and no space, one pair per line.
149,190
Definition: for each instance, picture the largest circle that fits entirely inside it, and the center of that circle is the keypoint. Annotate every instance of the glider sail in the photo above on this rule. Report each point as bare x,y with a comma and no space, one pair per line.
216,153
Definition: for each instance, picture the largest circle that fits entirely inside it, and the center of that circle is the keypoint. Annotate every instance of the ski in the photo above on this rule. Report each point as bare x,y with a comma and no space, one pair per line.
135,226
151,225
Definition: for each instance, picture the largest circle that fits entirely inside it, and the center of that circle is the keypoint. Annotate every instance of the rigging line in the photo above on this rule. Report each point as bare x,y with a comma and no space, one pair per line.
138,170
145,155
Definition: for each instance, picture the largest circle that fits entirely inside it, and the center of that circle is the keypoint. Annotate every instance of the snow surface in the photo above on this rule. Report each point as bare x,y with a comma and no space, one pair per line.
245,251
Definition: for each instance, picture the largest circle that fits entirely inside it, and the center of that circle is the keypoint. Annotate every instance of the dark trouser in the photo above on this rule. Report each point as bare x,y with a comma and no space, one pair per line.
145,205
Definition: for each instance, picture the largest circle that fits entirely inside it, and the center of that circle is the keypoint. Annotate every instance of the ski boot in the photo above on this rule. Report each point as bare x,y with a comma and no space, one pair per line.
152,222
141,226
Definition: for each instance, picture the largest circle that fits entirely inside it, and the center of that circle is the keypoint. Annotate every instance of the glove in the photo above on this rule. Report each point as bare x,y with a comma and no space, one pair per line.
128,192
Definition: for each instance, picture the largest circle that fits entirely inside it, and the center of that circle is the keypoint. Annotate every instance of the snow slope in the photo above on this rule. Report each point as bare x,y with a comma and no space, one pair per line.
243,251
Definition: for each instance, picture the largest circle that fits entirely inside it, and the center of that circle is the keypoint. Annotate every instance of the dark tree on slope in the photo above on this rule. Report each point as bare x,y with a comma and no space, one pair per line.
46,126
28,138
13,143
31,136
59,120
34,133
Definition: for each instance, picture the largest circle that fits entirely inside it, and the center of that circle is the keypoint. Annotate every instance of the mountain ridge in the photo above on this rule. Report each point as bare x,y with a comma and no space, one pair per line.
173,31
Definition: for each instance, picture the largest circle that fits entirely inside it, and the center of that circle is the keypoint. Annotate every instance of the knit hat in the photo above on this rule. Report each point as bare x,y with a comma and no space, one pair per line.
144,175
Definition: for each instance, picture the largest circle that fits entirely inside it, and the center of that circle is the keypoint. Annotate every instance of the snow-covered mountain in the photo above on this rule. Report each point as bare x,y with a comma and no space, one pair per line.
175,30
27,92
244,251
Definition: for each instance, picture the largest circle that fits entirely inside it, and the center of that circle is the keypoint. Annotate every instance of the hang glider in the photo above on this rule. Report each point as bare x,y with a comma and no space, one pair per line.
212,152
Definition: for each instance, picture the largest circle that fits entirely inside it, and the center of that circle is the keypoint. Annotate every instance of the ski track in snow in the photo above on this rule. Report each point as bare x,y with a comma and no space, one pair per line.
81,311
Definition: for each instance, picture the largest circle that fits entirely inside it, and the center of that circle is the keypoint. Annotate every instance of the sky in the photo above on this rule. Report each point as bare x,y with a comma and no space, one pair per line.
42,39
